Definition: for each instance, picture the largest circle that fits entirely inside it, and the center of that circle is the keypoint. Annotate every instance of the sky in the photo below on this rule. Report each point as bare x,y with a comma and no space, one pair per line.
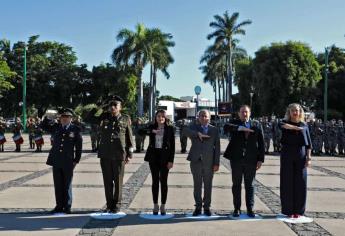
91,26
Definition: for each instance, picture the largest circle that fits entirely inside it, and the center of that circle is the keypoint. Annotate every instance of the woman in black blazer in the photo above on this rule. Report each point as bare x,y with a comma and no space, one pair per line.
160,155
295,158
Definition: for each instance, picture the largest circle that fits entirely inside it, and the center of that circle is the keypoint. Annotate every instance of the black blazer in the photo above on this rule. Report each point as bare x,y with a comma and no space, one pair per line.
168,146
67,145
251,149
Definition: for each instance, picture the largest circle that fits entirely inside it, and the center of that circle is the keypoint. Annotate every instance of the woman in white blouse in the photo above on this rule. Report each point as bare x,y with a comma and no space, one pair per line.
160,155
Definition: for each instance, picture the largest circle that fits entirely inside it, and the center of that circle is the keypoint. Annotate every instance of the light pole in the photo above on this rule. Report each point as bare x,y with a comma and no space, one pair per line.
325,96
251,97
24,91
197,90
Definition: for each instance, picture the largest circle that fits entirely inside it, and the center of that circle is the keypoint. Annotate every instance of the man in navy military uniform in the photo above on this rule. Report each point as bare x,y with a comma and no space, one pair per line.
63,156
114,150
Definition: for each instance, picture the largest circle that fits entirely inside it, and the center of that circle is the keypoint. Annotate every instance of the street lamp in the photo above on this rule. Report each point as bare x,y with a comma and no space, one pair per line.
325,96
24,91
251,96
197,90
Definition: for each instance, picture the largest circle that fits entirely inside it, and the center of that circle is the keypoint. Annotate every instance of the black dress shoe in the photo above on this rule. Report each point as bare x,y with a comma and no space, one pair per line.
197,212
251,213
114,210
236,213
67,211
56,210
207,212
106,210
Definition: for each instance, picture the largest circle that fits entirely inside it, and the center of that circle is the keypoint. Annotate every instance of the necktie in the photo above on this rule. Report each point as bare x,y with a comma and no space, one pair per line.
247,125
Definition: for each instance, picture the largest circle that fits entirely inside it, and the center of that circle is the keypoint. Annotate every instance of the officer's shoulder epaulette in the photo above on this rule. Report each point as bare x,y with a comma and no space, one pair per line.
125,116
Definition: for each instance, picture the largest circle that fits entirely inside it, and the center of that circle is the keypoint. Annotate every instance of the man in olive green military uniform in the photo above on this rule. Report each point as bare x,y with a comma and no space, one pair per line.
183,138
114,150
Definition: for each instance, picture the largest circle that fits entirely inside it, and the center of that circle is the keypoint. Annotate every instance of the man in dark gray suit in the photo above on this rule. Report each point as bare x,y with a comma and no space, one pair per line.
246,152
204,159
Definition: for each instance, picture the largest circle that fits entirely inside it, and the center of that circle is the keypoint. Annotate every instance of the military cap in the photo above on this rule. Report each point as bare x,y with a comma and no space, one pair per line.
66,112
114,99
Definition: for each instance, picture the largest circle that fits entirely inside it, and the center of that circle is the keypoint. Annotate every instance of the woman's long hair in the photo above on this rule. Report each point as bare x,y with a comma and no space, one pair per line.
294,106
161,111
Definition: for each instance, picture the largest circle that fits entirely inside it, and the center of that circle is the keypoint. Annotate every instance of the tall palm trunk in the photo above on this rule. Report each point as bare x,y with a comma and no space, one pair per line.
230,72
215,99
218,81
224,89
151,93
140,93
154,102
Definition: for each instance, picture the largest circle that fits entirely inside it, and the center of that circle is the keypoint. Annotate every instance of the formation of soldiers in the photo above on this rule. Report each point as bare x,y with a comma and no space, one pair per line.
328,138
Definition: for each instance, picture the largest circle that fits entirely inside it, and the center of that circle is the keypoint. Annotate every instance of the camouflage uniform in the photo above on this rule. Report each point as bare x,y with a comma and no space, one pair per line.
333,133
276,135
139,138
341,137
94,137
183,138
326,128
268,133
318,135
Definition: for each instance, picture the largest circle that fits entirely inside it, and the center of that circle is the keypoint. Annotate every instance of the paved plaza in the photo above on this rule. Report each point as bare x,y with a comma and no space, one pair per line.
27,196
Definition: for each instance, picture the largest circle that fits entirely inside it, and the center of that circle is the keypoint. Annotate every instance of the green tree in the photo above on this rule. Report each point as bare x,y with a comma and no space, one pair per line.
284,73
52,73
108,79
169,98
336,82
244,80
6,75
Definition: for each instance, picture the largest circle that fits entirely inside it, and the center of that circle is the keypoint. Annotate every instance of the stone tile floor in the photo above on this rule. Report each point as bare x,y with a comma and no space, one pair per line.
27,194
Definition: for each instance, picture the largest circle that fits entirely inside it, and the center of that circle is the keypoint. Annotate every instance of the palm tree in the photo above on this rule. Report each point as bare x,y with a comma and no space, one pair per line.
215,57
134,52
160,58
142,47
226,28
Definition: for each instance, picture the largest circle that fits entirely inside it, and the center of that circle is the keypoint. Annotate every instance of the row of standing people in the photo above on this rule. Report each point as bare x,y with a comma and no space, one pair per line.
34,130
327,138
245,152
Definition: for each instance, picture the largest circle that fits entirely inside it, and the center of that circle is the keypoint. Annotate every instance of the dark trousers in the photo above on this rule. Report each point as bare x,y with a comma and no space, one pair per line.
63,187
32,141
240,170
183,141
293,182
159,173
113,171
202,175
